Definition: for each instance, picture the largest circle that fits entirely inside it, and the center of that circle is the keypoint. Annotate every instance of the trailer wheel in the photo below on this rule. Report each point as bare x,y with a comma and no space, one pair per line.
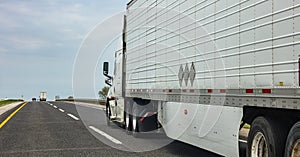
292,147
135,126
266,138
108,122
127,123
135,118
107,110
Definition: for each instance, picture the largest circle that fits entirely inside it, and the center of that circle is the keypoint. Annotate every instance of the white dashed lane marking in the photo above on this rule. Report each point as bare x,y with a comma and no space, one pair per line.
61,110
72,116
105,135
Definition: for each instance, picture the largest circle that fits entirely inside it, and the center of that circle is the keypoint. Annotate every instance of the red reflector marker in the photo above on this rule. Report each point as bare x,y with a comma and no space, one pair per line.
249,90
148,114
222,90
185,111
192,91
142,118
266,91
170,90
184,90
209,91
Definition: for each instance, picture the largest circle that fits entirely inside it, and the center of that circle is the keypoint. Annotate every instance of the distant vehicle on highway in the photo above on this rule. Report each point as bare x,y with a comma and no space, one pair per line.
33,99
43,96
57,97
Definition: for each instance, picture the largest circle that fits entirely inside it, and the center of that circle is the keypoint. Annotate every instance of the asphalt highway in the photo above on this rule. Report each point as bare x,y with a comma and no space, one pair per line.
66,129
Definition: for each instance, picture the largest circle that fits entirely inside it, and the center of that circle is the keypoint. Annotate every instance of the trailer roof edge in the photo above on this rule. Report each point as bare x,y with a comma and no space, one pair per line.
129,4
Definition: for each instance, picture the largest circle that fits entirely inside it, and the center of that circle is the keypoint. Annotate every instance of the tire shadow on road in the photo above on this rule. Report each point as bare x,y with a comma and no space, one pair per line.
182,149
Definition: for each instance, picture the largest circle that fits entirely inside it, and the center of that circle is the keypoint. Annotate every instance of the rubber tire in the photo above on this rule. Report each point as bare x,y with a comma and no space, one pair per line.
108,121
273,132
135,131
293,136
128,127
135,112
107,111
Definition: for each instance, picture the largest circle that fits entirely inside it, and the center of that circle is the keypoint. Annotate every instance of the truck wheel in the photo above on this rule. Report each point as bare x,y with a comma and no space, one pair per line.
135,118
127,123
135,126
266,138
108,122
292,147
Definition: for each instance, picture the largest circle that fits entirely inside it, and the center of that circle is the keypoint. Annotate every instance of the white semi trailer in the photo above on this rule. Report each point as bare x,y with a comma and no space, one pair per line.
203,68
43,96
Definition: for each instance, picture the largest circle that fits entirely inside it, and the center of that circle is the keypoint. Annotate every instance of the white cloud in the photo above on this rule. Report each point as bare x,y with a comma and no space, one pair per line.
8,24
70,34
20,42
48,33
2,49
20,8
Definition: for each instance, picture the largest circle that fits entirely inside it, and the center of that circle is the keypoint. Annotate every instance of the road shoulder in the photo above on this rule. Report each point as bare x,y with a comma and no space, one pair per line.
6,108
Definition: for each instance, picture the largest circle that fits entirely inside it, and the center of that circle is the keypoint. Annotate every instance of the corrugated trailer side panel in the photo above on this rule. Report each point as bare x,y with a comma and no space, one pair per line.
233,44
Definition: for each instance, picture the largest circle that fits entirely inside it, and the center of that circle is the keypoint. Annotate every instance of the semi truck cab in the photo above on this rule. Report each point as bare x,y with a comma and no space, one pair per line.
115,100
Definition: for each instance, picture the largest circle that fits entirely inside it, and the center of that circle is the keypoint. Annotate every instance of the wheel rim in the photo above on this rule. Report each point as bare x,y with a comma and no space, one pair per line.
134,123
127,120
296,149
259,146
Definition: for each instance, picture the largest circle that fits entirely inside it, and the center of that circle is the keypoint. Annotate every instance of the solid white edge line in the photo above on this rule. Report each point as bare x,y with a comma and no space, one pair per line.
105,135
244,141
94,107
61,110
72,116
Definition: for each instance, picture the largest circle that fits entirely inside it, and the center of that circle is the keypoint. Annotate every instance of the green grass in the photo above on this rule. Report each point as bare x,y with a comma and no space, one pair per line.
6,102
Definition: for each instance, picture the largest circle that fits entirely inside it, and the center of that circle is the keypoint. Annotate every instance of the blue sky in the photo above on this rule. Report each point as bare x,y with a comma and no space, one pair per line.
39,42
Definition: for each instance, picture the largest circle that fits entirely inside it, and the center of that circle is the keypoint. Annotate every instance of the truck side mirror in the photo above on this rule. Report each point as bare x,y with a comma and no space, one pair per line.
105,68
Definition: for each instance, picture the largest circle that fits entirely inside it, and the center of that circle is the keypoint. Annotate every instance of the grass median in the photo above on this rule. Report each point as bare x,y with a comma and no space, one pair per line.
9,101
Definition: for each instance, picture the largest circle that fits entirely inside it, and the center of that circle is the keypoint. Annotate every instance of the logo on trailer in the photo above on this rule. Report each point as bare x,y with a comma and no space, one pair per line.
187,74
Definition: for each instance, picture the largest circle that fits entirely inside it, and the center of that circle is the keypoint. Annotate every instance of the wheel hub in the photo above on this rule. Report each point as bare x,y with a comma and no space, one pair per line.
259,146
296,149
